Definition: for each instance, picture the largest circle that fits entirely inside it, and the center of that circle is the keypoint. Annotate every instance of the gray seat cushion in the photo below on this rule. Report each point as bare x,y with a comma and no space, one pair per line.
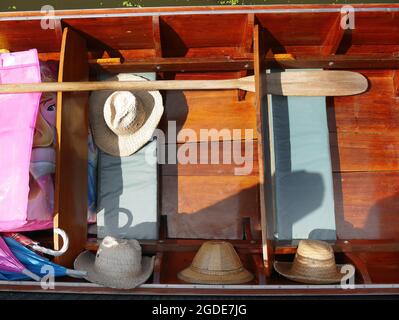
303,178
128,195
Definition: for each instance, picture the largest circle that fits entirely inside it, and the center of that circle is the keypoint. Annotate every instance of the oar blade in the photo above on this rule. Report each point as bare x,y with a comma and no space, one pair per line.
316,83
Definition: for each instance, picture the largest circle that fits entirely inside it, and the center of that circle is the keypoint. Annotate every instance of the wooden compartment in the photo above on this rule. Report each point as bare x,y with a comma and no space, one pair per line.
204,44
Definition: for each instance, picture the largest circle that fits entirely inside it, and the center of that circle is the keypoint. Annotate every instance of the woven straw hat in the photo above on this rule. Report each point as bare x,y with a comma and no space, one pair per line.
117,264
314,263
123,121
216,262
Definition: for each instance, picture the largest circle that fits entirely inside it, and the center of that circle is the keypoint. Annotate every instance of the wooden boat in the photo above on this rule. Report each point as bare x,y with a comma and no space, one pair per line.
220,43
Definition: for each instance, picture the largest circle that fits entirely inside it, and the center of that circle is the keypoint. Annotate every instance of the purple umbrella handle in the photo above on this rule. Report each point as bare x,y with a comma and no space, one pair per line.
30,274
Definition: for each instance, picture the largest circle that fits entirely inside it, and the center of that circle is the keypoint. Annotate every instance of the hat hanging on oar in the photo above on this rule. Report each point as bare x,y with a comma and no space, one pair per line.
123,121
314,263
293,83
216,262
117,264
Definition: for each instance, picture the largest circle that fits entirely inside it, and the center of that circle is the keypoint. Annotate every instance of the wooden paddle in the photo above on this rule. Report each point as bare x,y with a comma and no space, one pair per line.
292,83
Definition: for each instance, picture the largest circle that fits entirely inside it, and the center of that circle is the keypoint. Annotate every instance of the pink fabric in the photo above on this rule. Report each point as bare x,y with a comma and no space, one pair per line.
42,163
8,262
18,114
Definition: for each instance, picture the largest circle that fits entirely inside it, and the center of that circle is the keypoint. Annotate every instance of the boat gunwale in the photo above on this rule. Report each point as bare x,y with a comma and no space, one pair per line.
201,10
228,287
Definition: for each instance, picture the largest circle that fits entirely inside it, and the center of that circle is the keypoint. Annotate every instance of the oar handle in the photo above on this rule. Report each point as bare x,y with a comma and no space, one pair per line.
120,85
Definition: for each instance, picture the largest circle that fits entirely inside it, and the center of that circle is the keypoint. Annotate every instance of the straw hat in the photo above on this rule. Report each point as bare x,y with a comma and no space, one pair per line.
216,262
123,121
314,263
117,264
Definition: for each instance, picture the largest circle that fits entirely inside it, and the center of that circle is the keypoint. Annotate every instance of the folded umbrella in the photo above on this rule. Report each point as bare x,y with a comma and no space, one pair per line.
34,264
10,264
27,242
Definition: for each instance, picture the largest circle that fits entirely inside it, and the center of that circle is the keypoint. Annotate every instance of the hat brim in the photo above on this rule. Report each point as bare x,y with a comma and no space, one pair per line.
123,146
85,262
285,269
193,276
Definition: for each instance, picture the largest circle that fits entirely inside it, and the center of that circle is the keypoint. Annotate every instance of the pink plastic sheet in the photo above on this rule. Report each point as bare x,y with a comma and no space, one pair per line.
18,114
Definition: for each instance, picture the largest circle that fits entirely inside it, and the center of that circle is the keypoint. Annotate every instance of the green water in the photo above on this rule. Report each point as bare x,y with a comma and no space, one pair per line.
21,5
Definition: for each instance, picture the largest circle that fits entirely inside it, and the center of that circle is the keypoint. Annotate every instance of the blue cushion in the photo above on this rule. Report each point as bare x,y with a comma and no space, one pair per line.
303,177
128,195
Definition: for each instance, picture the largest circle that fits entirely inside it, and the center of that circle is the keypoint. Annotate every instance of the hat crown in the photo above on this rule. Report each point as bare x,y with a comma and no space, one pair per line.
315,249
118,257
216,256
123,112
315,258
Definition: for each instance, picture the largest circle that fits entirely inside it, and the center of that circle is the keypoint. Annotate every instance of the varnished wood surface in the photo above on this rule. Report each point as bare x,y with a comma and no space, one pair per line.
365,158
71,170
383,30
333,37
195,205
247,39
265,151
116,33
383,267
395,79
138,63
369,151
184,35
295,32
375,111
367,205
361,274
364,128
24,35
158,264
156,33
191,208
206,110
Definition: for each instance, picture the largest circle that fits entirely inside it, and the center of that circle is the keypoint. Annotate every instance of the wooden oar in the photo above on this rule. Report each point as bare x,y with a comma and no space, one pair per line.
292,83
